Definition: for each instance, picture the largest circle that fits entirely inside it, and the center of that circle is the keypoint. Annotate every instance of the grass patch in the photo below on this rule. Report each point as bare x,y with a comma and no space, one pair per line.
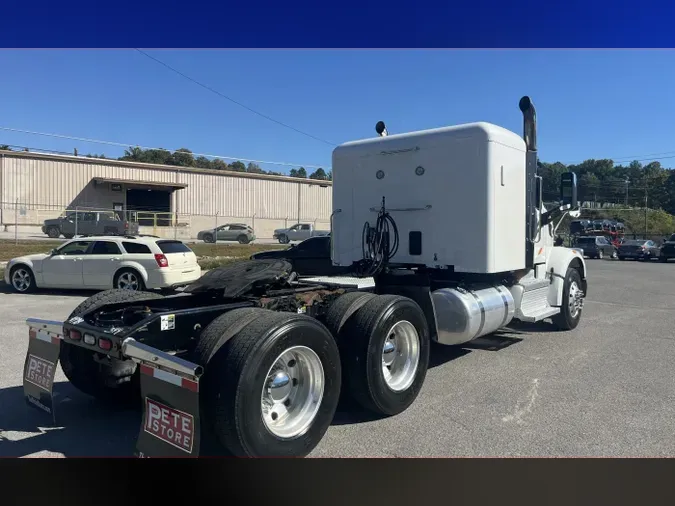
9,250
210,255
217,255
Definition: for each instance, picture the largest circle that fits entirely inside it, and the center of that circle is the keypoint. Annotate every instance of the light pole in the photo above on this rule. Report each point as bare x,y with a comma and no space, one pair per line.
627,181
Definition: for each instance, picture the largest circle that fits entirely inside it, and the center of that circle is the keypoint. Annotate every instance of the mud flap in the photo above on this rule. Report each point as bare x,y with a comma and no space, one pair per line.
170,391
44,348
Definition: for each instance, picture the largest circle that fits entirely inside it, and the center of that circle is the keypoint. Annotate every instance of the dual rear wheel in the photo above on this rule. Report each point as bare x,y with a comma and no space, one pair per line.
273,380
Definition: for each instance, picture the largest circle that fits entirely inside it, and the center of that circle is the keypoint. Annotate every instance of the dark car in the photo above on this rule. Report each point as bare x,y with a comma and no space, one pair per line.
638,249
668,249
595,246
578,227
311,257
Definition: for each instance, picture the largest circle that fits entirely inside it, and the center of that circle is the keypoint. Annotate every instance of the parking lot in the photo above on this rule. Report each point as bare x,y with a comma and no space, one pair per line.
604,389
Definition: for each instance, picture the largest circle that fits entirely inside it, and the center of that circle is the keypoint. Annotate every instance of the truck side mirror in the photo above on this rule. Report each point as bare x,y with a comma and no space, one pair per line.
568,189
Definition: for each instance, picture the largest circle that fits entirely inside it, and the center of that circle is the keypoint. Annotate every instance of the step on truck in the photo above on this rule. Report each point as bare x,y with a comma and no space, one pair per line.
448,240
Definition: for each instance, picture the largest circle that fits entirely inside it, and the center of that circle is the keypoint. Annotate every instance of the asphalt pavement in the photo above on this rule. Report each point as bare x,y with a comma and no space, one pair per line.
604,389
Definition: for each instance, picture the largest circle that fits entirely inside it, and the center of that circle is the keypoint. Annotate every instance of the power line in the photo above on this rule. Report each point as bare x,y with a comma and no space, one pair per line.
621,161
127,145
633,157
231,99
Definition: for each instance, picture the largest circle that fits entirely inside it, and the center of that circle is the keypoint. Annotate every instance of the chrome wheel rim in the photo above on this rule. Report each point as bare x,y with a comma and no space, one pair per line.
576,299
128,281
292,393
400,356
21,279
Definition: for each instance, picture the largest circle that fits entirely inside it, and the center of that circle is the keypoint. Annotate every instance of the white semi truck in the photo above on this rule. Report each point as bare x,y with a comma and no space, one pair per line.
448,240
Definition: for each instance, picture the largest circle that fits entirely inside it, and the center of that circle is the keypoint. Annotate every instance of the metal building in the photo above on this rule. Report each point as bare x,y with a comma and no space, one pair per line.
35,186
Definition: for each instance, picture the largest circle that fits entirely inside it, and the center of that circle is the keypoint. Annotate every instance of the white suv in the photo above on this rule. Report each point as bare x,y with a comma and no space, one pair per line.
103,262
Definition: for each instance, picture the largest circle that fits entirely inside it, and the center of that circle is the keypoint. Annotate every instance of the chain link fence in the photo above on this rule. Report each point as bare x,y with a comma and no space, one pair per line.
25,221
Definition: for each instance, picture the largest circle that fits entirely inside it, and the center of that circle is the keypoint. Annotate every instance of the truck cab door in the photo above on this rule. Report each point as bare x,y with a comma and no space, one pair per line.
86,223
293,234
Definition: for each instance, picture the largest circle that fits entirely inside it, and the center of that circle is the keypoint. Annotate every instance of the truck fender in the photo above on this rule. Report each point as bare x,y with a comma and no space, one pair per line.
132,265
559,261
419,292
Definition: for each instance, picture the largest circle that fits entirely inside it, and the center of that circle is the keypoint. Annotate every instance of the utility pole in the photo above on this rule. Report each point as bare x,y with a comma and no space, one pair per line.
627,181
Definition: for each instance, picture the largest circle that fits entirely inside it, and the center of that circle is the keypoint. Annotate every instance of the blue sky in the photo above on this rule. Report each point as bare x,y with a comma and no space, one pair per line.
590,104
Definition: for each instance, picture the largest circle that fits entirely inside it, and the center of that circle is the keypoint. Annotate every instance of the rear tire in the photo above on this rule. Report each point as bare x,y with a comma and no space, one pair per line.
53,232
366,346
570,312
241,347
344,308
242,239
129,280
78,363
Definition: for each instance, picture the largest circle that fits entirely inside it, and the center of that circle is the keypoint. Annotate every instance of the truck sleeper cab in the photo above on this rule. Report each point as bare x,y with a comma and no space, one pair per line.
257,358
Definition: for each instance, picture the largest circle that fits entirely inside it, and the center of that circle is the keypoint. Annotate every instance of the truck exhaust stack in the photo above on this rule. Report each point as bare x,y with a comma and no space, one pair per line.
529,123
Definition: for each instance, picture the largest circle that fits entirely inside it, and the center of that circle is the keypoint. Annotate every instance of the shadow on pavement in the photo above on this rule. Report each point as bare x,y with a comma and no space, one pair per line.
88,428
5,288
84,427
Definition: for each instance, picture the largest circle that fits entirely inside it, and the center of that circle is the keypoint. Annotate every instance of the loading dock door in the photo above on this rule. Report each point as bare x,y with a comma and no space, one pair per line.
150,201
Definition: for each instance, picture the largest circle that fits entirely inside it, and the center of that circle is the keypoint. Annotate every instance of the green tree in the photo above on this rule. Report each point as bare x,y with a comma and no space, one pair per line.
133,154
218,164
157,156
301,173
203,163
254,168
183,158
319,174
237,166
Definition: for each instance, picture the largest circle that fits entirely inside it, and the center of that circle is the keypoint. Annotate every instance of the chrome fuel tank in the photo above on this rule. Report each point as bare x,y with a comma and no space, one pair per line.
463,315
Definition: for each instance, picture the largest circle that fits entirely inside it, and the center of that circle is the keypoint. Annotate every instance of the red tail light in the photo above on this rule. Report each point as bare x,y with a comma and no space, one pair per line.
75,335
104,344
126,225
162,261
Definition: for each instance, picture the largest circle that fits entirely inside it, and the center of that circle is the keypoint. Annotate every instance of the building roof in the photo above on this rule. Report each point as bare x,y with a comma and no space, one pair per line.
172,168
